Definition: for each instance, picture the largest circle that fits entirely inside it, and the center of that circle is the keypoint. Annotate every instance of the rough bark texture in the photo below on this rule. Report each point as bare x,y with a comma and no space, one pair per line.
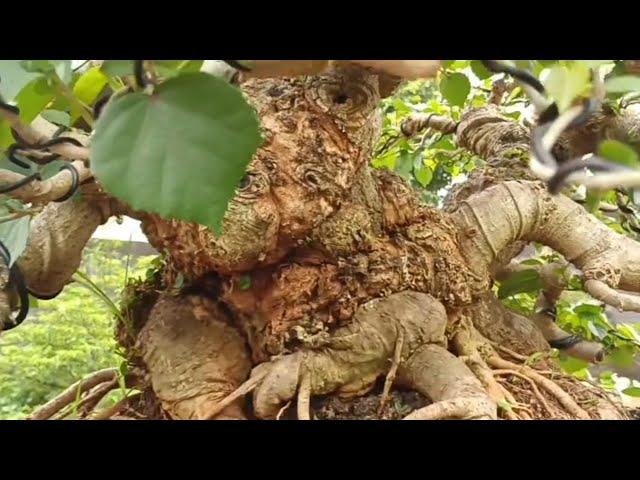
331,276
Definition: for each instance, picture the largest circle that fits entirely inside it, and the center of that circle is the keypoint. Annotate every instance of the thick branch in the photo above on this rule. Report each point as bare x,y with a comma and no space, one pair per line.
45,191
36,136
528,212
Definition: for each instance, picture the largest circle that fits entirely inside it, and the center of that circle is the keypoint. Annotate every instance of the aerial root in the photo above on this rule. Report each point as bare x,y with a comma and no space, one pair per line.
534,387
391,376
550,386
466,347
239,392
304,397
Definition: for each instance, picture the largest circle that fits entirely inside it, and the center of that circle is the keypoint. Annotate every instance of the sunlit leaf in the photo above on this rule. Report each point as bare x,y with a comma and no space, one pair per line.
455,88
520,282
622,84
566,83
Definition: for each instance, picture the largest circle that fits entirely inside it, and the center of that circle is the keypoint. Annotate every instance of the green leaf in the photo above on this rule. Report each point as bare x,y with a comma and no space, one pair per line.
572,364
595,63
37,66
14,236
33,302
592,202
171,68
520,282
90,85
57,117
6,138
447,63
244,282
632,391
33,98
622,84
455,88
565,83
423,175
180,152
479,70
179,281
618,152
63,70
13,78
117,68
504,405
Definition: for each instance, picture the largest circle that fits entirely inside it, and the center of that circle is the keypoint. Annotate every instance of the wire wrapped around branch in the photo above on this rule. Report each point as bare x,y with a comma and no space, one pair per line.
32,137
44,191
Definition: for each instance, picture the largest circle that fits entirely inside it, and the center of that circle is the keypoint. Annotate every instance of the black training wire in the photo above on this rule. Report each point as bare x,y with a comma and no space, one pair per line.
40,296
11,155
75,182
565,343
99,105
15,278
139,74
20,183
59,141
522,75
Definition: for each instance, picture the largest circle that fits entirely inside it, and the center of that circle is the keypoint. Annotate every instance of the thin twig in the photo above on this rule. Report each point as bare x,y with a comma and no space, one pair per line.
70,394
391,375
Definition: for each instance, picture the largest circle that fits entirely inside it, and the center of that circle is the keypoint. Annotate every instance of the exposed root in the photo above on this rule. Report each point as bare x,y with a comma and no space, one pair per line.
459,408
304,397
508,351
563,397
70,394
356,355
239,392
534,387
443,377
391,376
464,346
193,356
282,410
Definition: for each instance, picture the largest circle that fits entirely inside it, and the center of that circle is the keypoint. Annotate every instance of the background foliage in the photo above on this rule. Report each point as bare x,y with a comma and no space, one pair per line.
68,337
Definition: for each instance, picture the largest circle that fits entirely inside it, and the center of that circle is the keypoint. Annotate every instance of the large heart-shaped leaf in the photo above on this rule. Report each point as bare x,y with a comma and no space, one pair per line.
180,152
455,88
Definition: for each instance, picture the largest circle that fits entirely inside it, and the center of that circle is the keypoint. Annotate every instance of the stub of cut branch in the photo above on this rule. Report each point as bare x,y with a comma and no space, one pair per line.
70,394
44,191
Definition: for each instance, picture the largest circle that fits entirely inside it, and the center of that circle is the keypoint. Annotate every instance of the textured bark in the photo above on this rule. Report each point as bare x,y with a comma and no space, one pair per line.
330,275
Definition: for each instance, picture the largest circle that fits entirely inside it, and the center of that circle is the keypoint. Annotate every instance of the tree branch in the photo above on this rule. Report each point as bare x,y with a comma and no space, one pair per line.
70,394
